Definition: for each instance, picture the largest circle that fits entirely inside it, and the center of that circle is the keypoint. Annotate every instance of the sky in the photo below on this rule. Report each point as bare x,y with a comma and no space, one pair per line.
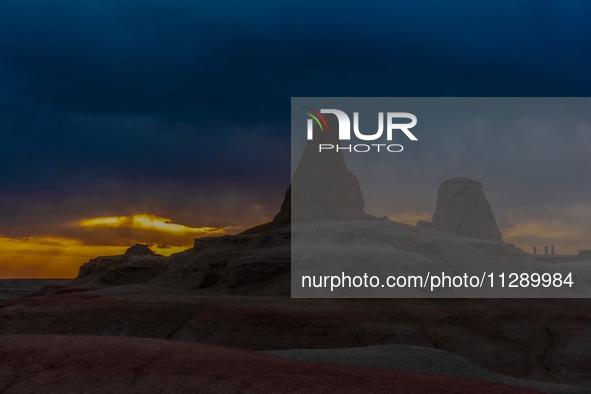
161,121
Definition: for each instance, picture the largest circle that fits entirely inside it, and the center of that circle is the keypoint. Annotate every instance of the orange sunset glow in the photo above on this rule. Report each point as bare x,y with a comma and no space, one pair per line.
150,222
61,257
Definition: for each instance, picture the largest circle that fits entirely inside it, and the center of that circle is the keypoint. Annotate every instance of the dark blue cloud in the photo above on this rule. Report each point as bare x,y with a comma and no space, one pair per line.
200,60
198,92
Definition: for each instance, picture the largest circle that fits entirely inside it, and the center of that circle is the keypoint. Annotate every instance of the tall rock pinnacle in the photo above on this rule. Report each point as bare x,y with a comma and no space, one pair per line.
322,185
462,209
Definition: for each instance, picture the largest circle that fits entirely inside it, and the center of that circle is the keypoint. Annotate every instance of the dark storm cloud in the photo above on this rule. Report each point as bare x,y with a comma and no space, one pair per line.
157,93
237,60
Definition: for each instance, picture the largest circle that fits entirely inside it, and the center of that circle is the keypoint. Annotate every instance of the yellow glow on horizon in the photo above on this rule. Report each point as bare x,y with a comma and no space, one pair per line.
53,257
545,230
150,222
48,257
409,218
569,237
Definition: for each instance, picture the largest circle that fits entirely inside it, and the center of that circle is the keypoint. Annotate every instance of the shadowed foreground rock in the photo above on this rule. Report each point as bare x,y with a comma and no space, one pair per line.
420,359
547,340
138,265
81,364
250,263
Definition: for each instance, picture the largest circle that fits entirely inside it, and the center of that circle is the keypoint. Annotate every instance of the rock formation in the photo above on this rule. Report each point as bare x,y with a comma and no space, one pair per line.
137,265
284,215
462,209
282,219
323,186
139,250
424,224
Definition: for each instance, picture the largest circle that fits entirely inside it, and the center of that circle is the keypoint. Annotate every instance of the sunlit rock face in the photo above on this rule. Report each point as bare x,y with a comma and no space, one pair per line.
462,209
323,188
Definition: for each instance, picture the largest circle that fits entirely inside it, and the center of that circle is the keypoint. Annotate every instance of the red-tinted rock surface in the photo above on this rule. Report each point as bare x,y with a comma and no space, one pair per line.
76,364
546,340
